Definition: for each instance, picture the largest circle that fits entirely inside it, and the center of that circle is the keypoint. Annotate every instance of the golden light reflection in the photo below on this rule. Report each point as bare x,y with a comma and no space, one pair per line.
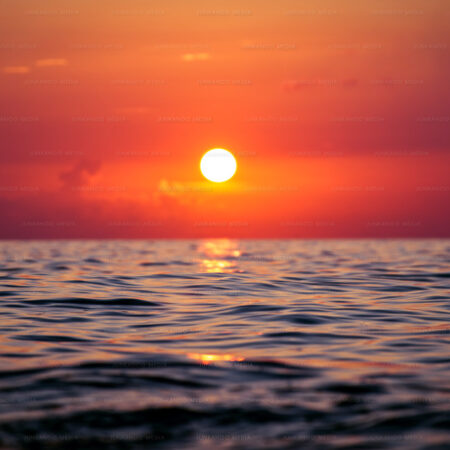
207,359
220,247
220,255
217,266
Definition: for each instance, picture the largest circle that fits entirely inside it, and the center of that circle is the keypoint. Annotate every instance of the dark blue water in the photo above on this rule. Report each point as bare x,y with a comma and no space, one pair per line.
225,344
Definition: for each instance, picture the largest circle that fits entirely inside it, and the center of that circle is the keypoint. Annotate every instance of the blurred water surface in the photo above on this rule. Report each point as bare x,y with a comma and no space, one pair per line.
225,344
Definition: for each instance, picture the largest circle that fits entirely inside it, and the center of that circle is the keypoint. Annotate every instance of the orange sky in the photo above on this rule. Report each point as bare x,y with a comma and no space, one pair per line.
337,113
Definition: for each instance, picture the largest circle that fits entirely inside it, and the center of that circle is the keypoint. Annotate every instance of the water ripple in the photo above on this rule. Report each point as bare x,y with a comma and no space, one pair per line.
224,344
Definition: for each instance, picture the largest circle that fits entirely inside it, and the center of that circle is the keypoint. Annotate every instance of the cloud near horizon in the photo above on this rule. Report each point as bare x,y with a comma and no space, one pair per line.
51,62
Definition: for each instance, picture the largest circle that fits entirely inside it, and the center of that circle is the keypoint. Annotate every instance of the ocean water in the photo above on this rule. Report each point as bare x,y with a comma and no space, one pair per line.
225,344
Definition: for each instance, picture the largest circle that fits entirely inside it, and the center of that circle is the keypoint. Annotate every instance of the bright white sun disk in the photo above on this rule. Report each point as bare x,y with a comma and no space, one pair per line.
218,165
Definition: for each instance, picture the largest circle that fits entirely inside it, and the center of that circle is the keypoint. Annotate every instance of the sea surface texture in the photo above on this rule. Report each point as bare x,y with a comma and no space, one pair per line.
218,344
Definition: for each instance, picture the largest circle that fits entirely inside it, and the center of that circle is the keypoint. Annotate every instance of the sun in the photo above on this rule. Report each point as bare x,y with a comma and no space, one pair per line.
218,165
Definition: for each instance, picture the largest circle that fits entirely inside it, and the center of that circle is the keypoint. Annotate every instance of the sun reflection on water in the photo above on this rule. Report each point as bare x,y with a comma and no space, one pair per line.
207,359
220,255
217,266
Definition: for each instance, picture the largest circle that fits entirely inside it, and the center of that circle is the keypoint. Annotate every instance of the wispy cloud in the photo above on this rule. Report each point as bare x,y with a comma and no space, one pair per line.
16,69
51,62
79,174
190,57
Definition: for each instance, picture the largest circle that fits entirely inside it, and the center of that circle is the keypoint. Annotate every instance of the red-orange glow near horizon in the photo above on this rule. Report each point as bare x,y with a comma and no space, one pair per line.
333,130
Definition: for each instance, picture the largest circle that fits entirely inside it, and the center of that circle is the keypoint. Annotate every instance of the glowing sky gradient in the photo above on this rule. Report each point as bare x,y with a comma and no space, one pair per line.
337,113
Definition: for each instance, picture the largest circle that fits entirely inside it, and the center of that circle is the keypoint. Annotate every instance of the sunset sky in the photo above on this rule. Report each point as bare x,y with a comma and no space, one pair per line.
337,113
